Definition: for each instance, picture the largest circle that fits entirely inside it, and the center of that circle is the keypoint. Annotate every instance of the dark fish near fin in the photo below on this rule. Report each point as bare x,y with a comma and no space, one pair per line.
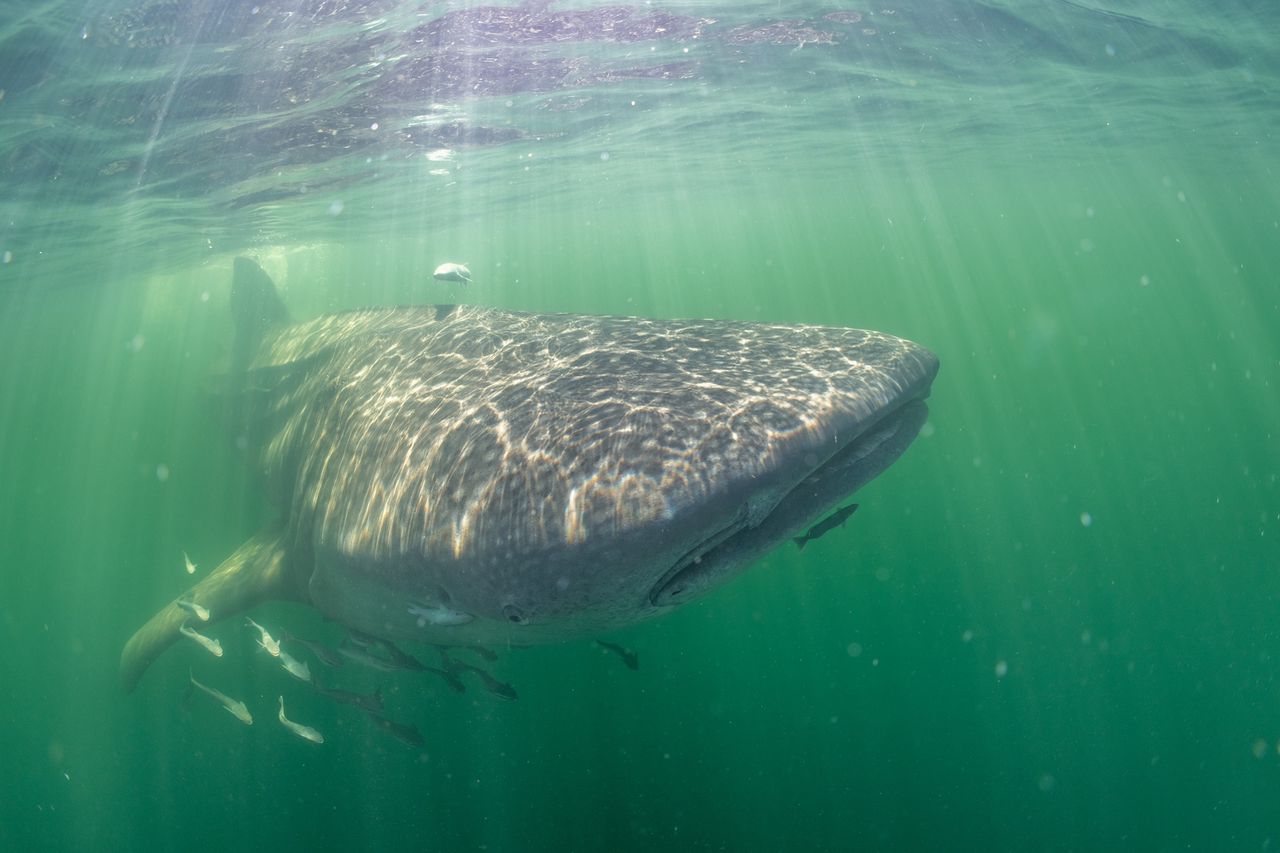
319,650
371,702
450,678
485,653
406,732
630,658
361,639
831,522
401,659
498,688
364,657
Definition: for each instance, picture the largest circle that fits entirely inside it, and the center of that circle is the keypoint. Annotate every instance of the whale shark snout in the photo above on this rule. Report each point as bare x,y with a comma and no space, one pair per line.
457,474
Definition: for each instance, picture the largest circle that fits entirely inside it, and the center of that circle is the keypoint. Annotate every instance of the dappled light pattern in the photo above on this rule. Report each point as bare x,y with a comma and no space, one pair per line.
471,433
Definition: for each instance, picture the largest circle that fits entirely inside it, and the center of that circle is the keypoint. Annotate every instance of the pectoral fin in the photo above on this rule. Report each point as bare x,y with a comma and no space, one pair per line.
256,572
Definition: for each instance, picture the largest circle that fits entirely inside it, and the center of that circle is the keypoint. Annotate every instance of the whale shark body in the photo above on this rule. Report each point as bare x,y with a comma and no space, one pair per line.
457,475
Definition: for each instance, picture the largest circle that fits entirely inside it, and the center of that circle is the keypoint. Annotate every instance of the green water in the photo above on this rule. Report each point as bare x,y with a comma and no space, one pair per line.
1052,624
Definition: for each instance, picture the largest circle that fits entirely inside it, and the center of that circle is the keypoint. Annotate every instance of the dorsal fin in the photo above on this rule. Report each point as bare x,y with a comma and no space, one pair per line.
255,307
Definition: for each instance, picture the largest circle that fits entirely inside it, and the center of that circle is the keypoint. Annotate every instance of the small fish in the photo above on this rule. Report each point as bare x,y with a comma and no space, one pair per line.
401,659
234,707
201,613
191,567
406,732
450,678
371,702
266,641
365,658
395,658
304,732
361,639
831,522
493,685
630,658
487,654
322,653
434,614
298,669
453,272
210,645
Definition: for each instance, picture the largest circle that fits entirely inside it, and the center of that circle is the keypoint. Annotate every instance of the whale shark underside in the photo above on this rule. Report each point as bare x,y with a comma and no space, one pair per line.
456,474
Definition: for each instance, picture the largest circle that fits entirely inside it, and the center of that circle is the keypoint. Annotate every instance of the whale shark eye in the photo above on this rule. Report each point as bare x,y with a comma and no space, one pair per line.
513,614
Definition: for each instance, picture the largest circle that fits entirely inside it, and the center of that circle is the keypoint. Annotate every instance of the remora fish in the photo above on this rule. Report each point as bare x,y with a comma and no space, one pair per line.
209,644
201,613
836,519
449,677
319,650
234,707
366,658
401,659
549,476
406,732
453,272
298,669
268,643
371,702
304,732
630,658
493,685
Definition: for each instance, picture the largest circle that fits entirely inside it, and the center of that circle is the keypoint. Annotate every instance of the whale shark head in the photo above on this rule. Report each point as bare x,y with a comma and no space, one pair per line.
457,474
463,473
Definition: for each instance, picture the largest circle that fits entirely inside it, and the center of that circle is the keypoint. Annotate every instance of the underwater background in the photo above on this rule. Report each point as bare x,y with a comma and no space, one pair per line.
1054,623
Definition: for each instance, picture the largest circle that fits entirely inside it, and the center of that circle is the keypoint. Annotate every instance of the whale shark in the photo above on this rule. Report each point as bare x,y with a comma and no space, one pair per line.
458,475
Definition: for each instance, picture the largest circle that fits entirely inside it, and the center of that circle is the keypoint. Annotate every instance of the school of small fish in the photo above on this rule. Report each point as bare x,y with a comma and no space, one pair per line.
368,651
371,652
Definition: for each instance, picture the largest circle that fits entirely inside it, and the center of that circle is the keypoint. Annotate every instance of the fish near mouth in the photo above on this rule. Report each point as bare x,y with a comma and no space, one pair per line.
748,536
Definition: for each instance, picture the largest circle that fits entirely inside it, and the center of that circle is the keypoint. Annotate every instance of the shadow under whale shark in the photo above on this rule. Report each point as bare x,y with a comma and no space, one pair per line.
457,475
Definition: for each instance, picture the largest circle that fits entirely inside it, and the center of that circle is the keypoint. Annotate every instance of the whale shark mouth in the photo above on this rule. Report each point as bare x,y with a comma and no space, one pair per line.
763,523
